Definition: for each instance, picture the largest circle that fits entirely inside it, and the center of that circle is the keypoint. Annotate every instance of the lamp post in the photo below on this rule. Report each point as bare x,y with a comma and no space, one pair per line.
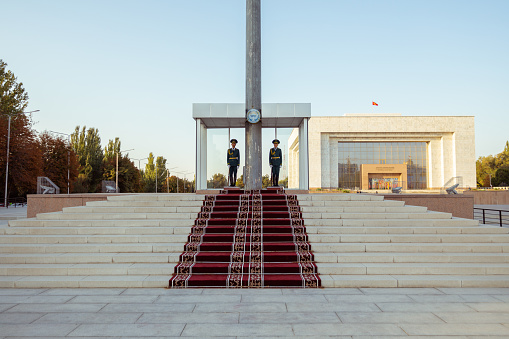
139,162
116,172
8,151
68,157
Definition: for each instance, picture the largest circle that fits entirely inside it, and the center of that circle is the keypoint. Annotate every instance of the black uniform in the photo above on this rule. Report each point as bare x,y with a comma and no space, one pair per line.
233,160
275,160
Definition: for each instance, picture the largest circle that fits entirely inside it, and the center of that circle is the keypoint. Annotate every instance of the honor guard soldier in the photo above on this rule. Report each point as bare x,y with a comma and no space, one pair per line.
233,161
275,162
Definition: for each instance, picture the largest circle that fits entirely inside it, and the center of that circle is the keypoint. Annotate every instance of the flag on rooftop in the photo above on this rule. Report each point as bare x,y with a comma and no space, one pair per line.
375,104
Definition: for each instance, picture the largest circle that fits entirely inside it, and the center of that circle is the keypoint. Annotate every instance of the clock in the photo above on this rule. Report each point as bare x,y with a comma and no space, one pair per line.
253,116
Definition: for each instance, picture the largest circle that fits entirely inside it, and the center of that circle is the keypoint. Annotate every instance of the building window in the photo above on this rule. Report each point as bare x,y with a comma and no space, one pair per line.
351,155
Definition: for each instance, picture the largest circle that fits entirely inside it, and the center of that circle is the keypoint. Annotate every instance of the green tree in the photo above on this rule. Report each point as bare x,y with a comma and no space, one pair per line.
218,180
25,161
58,160
87,146
240,181
149,175
266,181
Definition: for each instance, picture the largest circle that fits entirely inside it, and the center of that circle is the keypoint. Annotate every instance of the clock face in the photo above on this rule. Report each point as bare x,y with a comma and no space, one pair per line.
253,116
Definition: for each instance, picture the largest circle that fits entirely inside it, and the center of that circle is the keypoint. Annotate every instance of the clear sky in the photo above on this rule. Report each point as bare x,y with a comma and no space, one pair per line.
132,69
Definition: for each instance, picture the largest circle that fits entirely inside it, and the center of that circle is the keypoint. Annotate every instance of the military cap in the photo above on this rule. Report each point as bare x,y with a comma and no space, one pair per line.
276,140
234,140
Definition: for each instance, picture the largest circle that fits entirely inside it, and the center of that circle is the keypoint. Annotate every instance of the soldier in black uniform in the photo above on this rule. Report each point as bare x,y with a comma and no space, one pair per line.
275,162
233,161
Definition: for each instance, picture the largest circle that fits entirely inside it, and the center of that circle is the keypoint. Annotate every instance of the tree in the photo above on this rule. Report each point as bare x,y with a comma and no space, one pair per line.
24,153
488,167
87,146
218,180
57,159
149,175
13,98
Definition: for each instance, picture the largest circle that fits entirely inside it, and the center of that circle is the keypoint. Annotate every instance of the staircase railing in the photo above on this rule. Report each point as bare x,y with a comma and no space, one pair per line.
490,216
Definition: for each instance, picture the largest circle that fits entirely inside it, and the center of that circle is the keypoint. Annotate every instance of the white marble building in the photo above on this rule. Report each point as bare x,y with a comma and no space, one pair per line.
448,143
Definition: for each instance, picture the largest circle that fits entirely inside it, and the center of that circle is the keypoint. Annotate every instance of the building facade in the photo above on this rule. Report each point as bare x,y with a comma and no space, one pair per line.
379,152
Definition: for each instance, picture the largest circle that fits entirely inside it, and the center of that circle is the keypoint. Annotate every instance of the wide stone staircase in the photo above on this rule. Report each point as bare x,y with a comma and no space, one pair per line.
359,240
364,241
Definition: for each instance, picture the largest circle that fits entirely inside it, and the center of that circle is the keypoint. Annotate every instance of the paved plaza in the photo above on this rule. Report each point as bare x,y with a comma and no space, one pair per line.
255,313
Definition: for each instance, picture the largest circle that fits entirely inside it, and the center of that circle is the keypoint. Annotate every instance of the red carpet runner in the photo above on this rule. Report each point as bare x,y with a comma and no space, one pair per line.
247,240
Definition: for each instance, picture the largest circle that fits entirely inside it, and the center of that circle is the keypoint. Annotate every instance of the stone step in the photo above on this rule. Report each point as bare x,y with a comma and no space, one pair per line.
158,197
92,239
362,222
32,222
392,257
411,247
413,268
128,210
88,258
437,281
408,238
114,216
98,230
339,197
345,203
341,209
136,203
76,281
87,269
378,216
406,230
93,248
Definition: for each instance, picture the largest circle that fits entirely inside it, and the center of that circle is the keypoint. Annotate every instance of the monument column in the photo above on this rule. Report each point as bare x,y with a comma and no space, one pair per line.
253,179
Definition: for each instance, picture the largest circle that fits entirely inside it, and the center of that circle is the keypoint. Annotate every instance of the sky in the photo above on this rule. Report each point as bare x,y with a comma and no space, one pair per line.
133,69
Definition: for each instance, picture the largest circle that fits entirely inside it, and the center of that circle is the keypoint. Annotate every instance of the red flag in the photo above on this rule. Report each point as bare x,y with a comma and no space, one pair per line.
375,104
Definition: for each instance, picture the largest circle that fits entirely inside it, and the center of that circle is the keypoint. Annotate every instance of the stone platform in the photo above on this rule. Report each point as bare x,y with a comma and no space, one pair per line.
345,313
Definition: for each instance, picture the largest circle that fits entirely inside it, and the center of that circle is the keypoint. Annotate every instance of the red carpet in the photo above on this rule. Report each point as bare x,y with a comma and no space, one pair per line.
247,240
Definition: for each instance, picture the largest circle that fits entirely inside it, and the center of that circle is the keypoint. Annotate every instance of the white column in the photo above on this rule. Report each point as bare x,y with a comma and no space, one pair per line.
201,155
303,155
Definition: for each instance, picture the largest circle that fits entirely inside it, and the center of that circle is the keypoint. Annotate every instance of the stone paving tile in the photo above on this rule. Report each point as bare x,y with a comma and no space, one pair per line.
88,318
251,291
331,307
221,330
502,297
132,330
456,329
476,290
21,291
373,298
37,299
481,298
84,291
283,298
289,318
474,318
401,291
19,318
47,308
424,307
162,291
156,308
114,299
314,291
31,330
438,298
172,317
167,299
348,329
490,307
4,307
241,307
390,318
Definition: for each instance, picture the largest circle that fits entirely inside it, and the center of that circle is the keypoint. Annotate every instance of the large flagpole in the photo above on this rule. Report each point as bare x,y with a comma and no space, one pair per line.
253,179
